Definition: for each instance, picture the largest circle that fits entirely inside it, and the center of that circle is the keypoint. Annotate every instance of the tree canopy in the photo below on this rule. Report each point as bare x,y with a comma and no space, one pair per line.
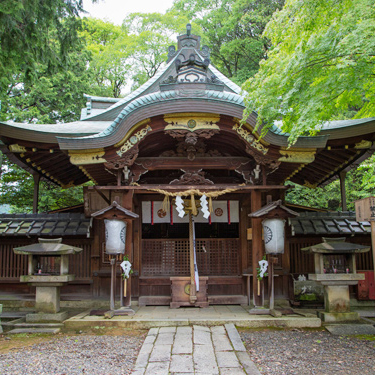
320,67
233,31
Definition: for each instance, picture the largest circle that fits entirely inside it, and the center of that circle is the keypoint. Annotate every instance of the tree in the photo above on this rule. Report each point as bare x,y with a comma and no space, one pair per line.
108,65
233,31
17,185
149,36
25,35
321,66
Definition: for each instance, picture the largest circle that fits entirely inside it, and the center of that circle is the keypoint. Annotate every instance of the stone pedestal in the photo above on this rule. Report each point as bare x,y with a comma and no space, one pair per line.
47,299
336,296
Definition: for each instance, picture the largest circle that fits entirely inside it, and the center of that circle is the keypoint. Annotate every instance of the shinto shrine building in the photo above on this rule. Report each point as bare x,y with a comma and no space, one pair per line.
179,134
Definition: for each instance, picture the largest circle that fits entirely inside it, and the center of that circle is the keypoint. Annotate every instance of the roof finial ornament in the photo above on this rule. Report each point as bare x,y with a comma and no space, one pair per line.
188,29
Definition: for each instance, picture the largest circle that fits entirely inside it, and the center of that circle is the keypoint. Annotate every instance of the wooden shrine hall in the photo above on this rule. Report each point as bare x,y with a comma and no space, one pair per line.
178,135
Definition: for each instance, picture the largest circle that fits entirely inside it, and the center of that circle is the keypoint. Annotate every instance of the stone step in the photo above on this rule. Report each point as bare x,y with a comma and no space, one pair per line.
13,314
38,325
50,331
11,323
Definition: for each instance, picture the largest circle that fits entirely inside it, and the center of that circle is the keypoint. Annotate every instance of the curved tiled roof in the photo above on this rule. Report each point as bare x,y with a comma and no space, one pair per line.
222,102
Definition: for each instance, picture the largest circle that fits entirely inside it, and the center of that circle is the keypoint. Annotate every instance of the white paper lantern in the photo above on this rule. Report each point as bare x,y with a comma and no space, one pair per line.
115,235
274,235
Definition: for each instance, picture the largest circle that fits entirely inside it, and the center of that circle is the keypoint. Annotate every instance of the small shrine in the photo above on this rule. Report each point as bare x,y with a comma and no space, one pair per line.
335,269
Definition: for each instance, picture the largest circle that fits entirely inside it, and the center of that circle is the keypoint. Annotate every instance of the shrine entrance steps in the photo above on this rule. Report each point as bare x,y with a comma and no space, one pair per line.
147,317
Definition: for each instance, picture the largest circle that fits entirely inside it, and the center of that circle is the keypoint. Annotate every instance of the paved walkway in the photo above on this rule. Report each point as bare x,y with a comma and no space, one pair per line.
197,350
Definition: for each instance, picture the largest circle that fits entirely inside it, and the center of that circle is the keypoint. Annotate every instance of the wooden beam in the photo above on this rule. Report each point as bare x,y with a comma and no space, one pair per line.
161,163
102,195
239,188
257,246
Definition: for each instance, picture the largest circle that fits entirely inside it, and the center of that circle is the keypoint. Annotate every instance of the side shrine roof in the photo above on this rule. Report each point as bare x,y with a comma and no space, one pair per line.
328,223
36,225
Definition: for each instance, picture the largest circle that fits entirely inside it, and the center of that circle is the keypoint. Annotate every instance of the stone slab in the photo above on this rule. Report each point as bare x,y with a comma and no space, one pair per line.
350,329
218,330
204,359
45,317
227,359
221,343
248,364
157,368
235,338
183,344
167,330
161,353
165,338
329,317
202,337
232,371
143,355
51,331
182,363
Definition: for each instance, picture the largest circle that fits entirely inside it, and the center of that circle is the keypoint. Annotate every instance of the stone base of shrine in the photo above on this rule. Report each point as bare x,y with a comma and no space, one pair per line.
45,317
330,317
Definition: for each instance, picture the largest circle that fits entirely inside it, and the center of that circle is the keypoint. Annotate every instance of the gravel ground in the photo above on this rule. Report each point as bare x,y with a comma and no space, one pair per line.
69,355
309,353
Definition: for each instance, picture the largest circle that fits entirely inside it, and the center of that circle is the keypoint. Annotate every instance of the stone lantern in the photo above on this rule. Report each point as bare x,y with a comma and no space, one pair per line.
47,281
335,269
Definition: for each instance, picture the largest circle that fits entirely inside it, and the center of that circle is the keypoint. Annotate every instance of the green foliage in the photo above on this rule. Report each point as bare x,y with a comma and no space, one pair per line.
360,183
17,187
320,68
33,31
233,31
108,65
149,36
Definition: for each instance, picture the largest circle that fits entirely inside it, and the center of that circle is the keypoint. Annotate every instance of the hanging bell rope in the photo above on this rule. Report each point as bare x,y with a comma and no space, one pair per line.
191,192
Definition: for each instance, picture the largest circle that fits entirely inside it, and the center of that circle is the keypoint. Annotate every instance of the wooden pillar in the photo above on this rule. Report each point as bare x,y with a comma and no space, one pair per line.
96,251
257,248
128,204
193,296
244,218
137,251
343,191
36,193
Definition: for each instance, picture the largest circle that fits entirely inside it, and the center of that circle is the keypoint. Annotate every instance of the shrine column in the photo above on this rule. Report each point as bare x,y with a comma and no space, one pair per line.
257,245
36,193
127,202
342,176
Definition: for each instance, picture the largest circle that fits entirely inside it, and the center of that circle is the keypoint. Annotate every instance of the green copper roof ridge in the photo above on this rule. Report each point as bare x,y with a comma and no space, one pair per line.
158,97
133,95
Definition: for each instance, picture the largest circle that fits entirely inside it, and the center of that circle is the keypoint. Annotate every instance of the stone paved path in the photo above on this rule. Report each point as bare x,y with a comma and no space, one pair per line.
194,350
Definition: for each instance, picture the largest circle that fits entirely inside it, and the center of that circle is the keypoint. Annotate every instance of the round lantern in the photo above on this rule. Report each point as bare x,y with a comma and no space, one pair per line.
115,235
274,235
